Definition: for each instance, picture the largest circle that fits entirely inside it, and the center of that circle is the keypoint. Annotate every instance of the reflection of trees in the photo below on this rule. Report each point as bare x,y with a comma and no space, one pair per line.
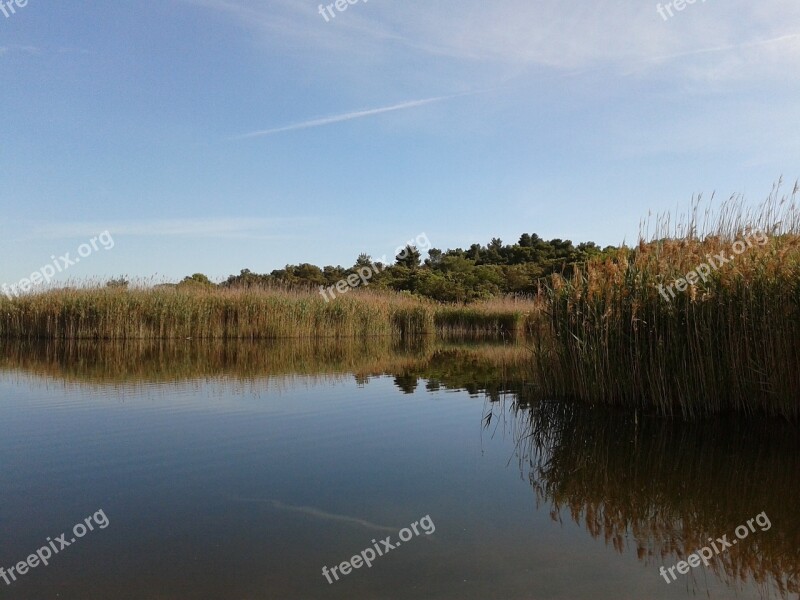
407,383
153,361
474,367
489,370
668,485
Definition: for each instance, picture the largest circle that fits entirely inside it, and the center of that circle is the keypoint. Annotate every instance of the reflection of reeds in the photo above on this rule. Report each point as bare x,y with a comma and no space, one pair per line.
670,485
503,316
729,344
214,313
462,365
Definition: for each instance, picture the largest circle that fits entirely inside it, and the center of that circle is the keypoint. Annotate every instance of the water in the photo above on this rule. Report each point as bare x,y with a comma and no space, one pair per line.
239,471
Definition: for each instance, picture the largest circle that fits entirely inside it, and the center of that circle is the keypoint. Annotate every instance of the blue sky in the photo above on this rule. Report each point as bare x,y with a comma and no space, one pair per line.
213,136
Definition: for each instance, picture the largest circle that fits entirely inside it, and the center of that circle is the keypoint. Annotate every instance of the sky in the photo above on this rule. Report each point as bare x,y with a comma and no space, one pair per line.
216,135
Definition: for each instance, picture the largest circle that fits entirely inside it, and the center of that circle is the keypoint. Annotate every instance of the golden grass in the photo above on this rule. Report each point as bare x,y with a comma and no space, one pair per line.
248,314
730,343
503,316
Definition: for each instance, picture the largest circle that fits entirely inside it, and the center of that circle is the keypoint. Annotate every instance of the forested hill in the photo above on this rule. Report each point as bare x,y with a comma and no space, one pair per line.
451,276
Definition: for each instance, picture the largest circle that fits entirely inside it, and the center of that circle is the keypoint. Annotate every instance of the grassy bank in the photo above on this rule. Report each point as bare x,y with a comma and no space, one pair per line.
727,343
696,319
249,314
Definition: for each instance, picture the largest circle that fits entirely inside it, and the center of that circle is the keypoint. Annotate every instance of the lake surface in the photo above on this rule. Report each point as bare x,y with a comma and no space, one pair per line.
238,471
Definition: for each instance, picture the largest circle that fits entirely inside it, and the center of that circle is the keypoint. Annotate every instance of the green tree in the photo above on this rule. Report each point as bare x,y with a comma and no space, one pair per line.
198,279
409,258
434,257
363,260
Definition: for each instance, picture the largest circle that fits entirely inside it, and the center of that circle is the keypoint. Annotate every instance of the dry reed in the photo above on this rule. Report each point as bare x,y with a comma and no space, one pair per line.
727,344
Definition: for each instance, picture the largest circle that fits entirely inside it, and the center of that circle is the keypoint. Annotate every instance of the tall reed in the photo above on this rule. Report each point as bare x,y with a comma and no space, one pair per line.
214,313
727,344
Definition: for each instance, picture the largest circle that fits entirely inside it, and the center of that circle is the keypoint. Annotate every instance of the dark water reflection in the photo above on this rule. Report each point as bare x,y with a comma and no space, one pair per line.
664,487
231,470
476,366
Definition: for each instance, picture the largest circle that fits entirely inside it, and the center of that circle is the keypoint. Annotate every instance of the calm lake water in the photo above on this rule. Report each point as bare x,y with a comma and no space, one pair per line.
239,471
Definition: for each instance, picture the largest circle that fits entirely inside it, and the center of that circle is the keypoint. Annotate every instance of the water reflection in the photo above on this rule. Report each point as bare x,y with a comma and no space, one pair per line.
468,365
655,488
664,487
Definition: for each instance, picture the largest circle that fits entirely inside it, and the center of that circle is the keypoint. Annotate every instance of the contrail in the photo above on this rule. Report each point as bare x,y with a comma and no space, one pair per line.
347,116
726,48
315,512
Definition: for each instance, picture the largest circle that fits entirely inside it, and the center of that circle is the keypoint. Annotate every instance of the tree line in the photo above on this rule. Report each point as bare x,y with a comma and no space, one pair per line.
459,275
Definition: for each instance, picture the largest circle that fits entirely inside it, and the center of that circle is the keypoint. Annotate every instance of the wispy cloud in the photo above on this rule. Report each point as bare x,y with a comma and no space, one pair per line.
359,114
229,227
484,38
728,47
16,48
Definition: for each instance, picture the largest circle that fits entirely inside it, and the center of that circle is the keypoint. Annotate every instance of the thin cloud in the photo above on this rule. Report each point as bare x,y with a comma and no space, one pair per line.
728,48
228,227
346,117
487,38
33,50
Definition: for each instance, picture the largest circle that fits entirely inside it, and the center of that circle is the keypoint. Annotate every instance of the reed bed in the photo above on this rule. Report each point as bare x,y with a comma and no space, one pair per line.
729,343
245,314
502,316
107,313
